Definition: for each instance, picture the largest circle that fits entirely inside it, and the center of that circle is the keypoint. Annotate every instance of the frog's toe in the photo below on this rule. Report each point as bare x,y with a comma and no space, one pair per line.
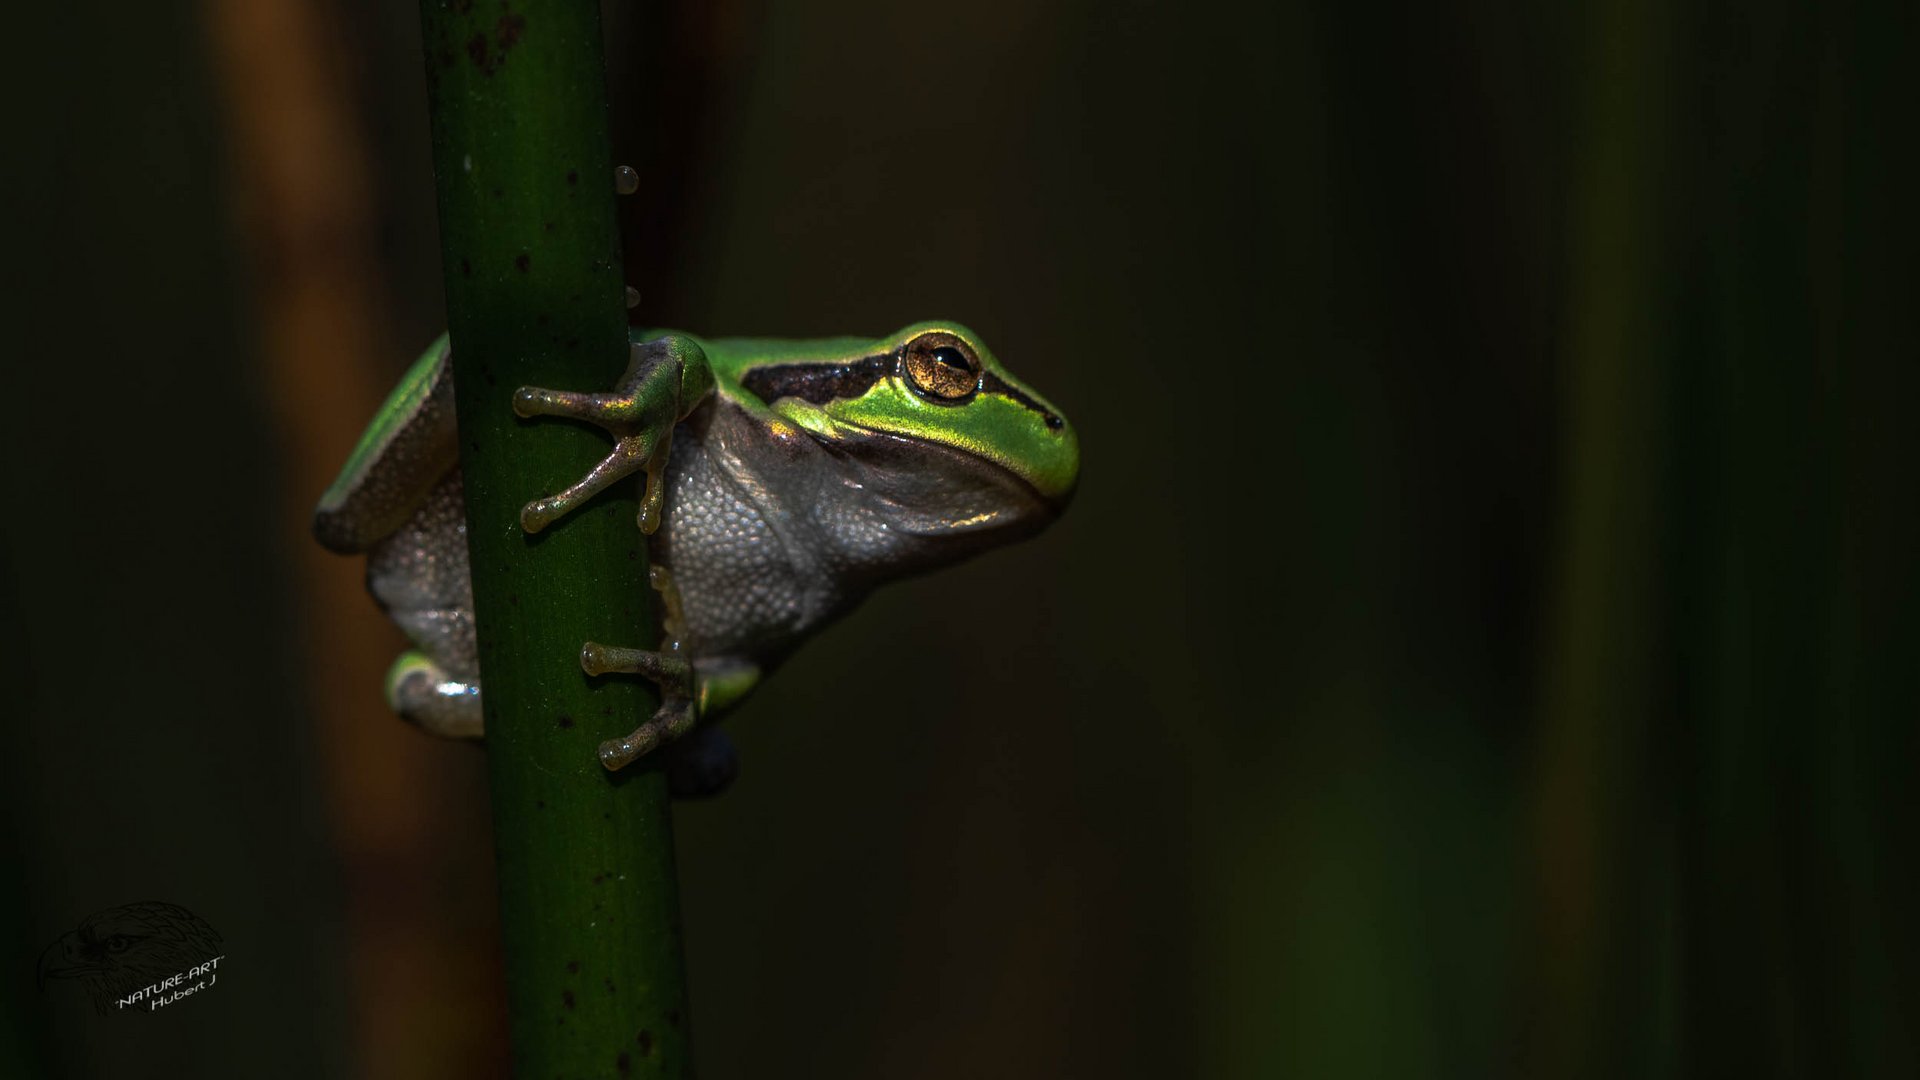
672,674
653,501
607,410
539,401
540,513
674,719
702,765
631,454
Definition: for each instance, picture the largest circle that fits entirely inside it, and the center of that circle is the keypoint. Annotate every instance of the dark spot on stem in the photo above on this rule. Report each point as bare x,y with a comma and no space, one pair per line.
477,52
564,721
461,7
522,261
547,226
573,967
507,32
621,1063
673,1018
566,998
609,985
540,804
466,268
573,177
646,1042
598,878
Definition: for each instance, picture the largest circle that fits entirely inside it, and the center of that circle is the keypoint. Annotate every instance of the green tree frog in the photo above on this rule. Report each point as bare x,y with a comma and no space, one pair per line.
784,481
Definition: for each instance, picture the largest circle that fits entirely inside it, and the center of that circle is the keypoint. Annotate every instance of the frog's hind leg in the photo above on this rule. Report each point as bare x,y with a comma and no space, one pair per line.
424,694
419,575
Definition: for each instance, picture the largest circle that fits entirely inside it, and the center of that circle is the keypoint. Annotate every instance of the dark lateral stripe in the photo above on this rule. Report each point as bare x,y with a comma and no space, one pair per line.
821,383
993,384
818,383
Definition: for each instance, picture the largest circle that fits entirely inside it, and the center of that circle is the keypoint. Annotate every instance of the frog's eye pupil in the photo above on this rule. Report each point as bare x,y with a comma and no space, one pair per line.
948,356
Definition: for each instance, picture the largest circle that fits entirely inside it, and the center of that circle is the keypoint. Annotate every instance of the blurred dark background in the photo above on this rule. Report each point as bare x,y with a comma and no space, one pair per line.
1483,644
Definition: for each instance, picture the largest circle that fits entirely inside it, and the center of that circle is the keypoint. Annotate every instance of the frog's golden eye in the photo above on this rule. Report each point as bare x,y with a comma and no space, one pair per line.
941,367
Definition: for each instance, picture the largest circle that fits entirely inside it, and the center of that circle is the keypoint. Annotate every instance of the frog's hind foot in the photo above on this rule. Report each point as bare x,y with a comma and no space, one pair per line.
424,694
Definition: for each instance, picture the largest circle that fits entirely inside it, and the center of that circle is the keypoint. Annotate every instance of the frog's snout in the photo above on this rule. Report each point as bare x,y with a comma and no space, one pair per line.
1056,471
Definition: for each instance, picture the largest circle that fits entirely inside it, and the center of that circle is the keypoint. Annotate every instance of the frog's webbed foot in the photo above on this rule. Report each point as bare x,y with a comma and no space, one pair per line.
665,380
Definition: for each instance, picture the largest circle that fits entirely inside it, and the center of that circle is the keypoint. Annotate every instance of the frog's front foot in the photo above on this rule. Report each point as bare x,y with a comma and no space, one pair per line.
665,379
676,714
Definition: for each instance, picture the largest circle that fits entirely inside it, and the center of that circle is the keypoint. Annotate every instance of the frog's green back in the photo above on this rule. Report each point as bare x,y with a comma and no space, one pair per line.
730,358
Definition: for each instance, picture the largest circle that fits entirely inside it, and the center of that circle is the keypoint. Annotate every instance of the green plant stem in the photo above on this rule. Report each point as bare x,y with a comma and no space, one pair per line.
535,296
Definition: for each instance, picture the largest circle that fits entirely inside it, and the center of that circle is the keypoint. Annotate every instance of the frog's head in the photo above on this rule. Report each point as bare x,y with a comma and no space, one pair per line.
933,426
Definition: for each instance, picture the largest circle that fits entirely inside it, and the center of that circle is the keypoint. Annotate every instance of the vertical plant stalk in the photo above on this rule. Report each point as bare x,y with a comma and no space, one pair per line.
535,296
1602,881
